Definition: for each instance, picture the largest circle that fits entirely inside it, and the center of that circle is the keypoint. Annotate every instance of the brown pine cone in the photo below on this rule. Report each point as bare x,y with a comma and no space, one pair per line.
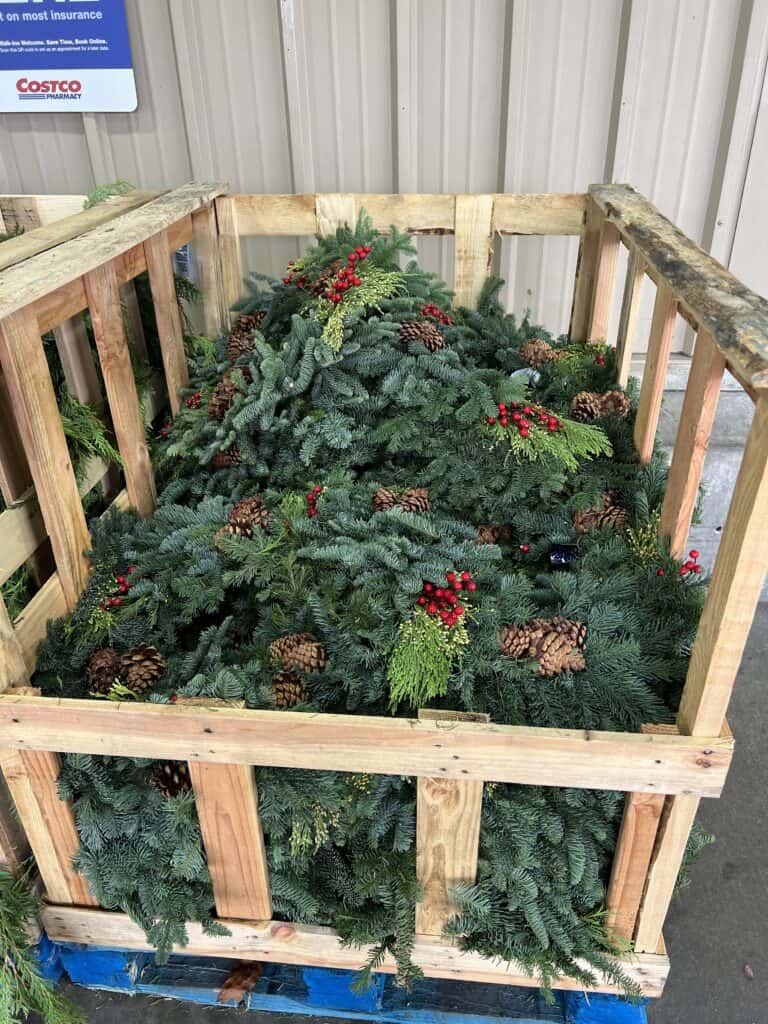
535,352
102,670
612,514
288,690
298,651
515,641
489,534
142,668
171,778
246,515
240,340
424,331
586,406
615,402
323,279
384,499
225,391
573,631
414,500
230,457
555,653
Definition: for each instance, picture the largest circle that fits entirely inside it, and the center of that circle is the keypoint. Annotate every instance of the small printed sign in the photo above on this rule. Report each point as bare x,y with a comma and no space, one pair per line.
65,55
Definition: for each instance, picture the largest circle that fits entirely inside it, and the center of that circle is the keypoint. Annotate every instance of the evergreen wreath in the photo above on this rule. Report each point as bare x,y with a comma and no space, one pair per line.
366,465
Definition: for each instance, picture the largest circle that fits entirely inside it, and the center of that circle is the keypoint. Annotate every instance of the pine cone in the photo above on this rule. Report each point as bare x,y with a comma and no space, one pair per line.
615,517
298,651
246,515
102,670
575,632
425,332
288,690
555,653
414,500
488,534
225,459
555,643
322,280
586,406
384,500
171,778
611,514
616,403
240,340
141,668
535,352
224,393
515,641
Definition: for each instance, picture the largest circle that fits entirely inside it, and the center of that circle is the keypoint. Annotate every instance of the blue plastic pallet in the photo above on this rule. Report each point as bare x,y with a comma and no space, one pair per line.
319,991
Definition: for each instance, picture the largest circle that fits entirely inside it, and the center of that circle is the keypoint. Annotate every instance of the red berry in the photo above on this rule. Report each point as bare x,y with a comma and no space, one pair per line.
422,601
432,609
311,512
696,568
600,360
551,428
311,497
694,555
459,610
367,248
504,421
117,601
458,585
491,421
660,572
525,548
450,576
428,587
356,281
688,565
329,295
466,576
123,588
516,416
120,579
317,489
452,599
501,407
445,616
173,698
131,568
352,257
524,432
471,586
527,410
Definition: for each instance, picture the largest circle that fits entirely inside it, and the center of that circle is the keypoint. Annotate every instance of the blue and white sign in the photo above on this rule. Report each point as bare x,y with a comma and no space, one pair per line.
72,55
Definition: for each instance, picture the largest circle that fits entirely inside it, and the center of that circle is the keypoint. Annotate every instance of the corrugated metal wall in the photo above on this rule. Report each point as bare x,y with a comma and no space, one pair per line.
429,96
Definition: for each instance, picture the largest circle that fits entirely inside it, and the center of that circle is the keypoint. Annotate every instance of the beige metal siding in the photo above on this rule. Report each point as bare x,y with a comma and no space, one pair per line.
430,95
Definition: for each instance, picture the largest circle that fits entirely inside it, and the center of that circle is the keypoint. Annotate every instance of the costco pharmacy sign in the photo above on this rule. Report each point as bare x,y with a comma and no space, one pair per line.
71,55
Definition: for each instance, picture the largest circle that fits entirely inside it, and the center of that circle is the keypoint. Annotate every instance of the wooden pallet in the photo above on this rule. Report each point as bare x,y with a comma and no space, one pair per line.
664,770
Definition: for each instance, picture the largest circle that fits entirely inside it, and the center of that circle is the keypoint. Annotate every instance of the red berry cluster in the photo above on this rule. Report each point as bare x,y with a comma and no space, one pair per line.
288,279
193,402
312,501
444,601
122,586
517,416
347,277
692,565
442,318
600,359
165,430
525,548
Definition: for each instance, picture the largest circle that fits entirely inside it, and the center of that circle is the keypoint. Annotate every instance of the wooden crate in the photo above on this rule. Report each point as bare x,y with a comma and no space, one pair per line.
664,770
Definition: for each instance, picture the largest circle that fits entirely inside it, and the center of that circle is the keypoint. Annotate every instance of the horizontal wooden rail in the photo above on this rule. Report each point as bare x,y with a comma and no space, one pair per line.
355,743
309,945
734,316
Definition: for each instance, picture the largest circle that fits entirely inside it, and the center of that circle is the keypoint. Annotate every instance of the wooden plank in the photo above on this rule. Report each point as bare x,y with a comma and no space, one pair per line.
168,317
206,248
655,374
30,211
360,743
271,215
32,625
228,809
104,302
229,252
13,670
37,416
133,322
735,316
32,778
414,214
586,269
54,233
15,477
35,278
473,247
335,210
447,842
677,821
532,214
637,835
605,276
693,433
74,350
63,302
14,848
630,306
737,580
280,942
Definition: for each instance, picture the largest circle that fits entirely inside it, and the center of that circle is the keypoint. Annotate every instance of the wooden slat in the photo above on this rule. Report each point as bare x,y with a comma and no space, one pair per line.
228,809
586,270
30,211
637,835
447,839
37,416
206,246
333,210
13,670
693,433
168,317
737,579
532,214
602,290
32,778
229,252
413,214
15,477
677,821
54,233
32,625
130,301
473,247
272,215
654,376
104,302
75,353
14,847
630,306
735,317
28,282
359,743
280,942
